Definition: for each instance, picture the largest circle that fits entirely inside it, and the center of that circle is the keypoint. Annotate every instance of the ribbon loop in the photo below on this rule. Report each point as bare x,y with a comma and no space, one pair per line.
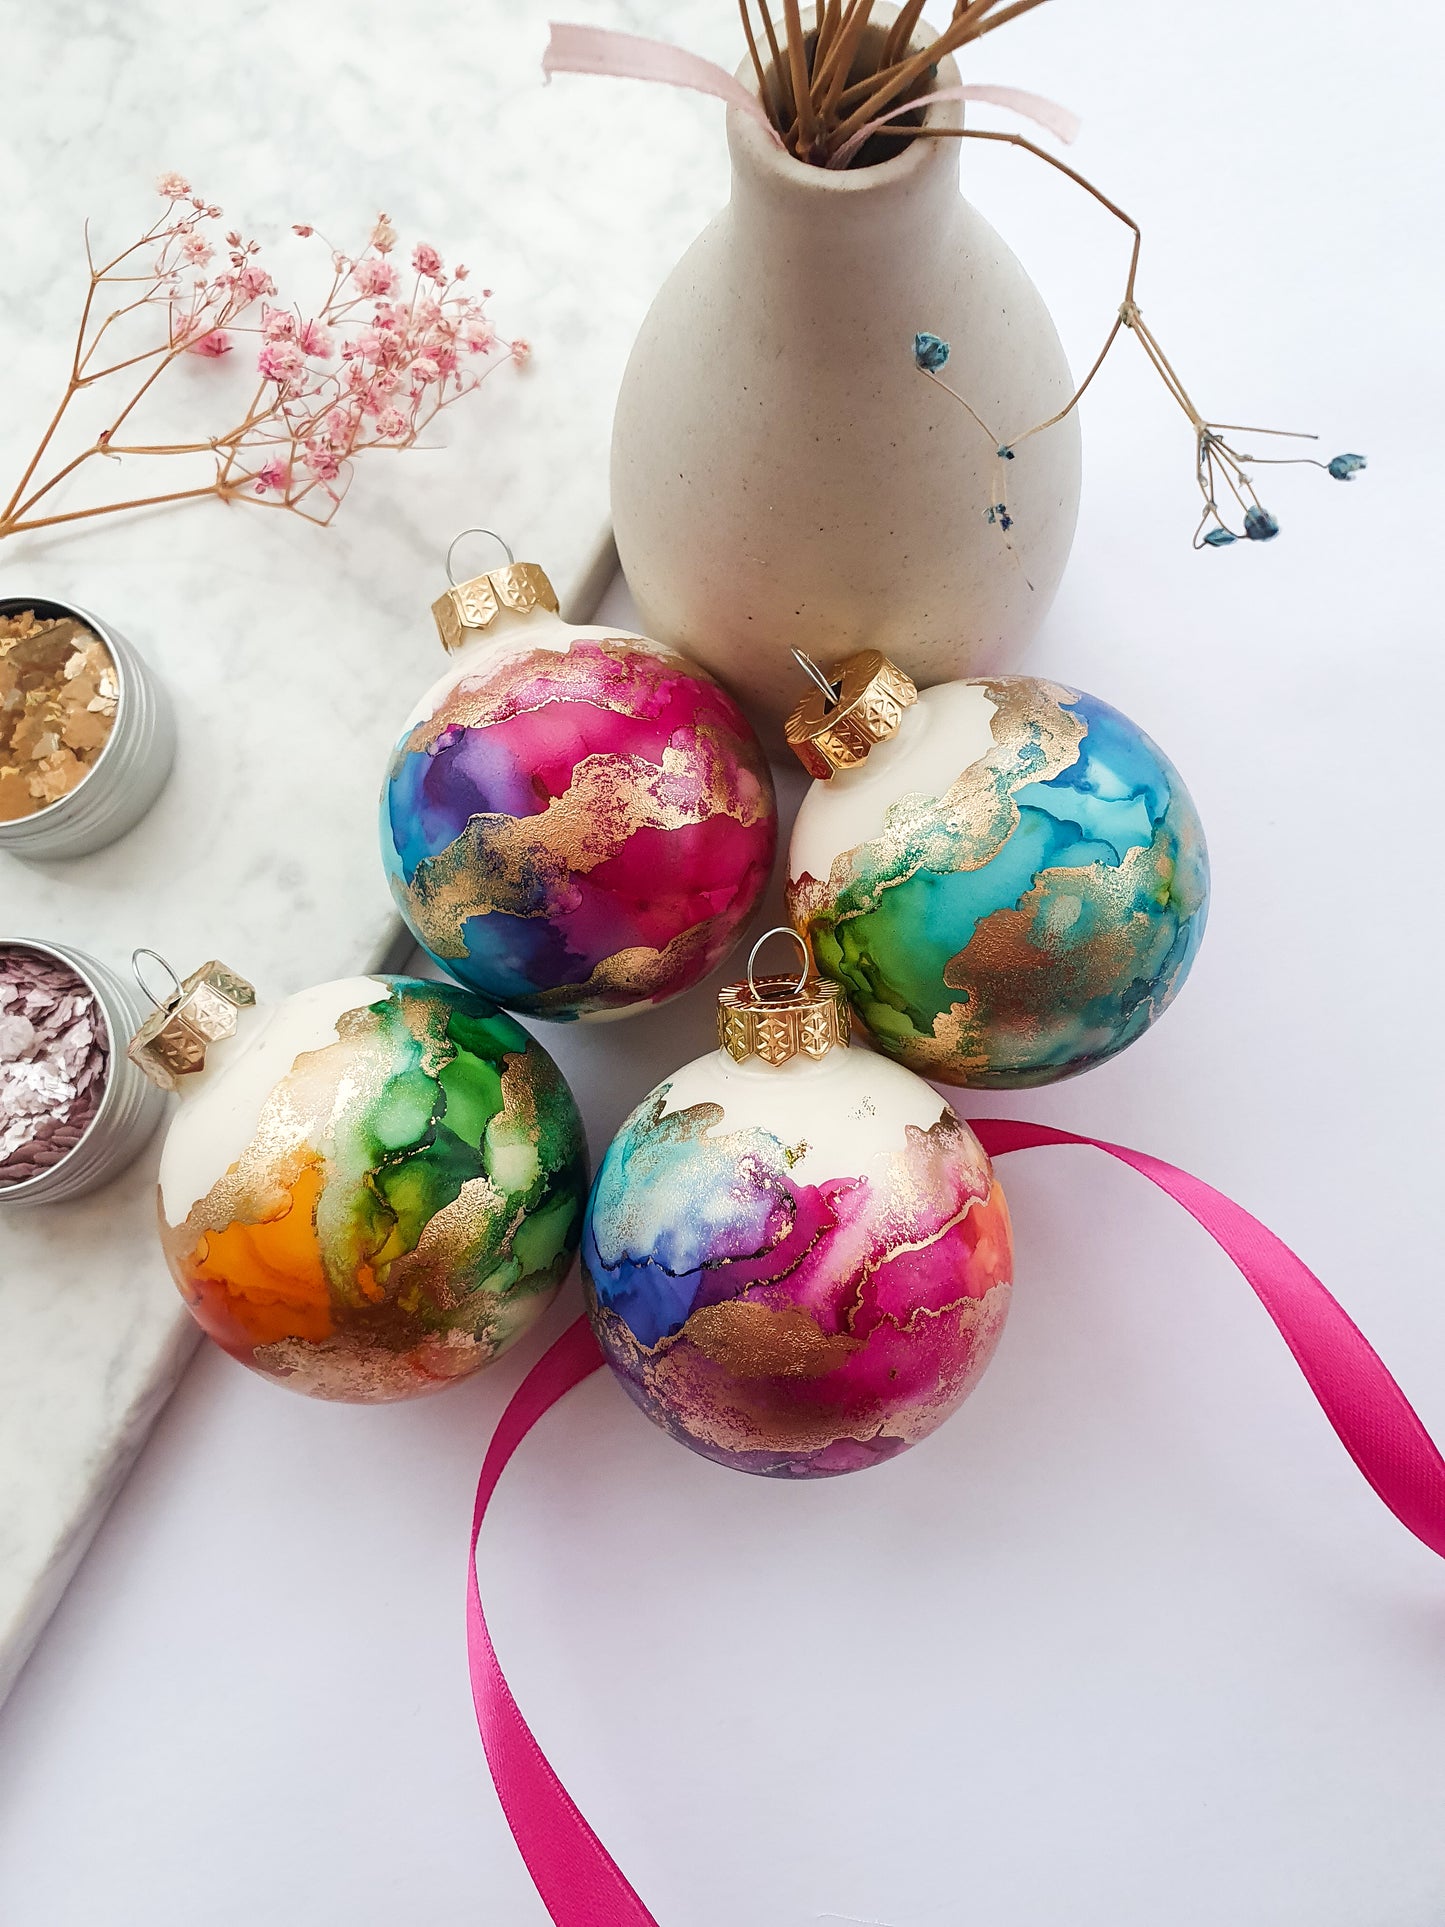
580,1883
574,49
631,56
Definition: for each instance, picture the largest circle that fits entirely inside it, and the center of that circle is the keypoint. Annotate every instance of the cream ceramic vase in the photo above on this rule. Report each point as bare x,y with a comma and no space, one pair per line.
783,474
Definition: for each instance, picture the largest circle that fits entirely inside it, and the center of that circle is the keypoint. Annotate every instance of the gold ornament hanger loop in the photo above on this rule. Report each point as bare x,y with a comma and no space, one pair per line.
174,995
781,930
776,1018
200,1011
462,535
516,588
815,675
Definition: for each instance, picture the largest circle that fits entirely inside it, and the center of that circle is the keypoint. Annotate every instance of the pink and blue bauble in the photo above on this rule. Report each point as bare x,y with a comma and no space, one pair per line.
577,826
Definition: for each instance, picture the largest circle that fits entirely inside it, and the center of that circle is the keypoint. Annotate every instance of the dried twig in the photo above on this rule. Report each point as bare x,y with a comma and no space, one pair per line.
1216,459
840,59
806,83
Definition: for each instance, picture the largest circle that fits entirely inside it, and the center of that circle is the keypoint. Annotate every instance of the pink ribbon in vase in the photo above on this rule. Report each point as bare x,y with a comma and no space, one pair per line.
629,56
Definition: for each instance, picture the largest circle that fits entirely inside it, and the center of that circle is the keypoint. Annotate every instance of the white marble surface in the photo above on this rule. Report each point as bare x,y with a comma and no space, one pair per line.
1129,1641
293,653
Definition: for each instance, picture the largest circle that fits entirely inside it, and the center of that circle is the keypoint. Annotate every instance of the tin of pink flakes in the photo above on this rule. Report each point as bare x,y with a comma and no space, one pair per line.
73,1110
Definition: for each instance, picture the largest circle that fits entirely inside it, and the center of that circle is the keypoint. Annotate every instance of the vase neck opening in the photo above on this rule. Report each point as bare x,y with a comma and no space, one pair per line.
889,142
907,184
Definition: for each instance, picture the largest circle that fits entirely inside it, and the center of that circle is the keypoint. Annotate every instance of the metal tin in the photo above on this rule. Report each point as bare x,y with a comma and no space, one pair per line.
131,1106
127,775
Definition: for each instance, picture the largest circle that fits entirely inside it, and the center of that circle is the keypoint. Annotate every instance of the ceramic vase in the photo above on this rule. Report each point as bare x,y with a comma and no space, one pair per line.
783,474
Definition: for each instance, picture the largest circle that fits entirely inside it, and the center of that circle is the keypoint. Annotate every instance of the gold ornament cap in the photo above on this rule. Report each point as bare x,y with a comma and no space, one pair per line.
518,588
776,1018
860,704
199,1011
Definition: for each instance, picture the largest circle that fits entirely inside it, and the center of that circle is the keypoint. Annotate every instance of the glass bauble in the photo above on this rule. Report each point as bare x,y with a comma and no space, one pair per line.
1010,885
373,1188
576,822
798,1269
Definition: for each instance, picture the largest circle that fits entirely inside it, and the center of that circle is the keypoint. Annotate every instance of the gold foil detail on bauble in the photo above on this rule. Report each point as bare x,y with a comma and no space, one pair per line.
1018,983
482,696
257,1187
751,1340
681,1376
342,1370
512,864
638,974
1035,738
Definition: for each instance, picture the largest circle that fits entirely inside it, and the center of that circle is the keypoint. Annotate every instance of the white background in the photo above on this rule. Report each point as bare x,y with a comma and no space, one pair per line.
1129,1641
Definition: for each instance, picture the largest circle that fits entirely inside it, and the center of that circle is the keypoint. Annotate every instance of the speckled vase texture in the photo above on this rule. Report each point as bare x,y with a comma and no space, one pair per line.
782,473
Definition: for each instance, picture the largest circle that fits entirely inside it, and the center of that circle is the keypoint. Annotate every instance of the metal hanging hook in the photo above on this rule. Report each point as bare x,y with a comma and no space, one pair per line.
177,988
782,930
810,668
505,547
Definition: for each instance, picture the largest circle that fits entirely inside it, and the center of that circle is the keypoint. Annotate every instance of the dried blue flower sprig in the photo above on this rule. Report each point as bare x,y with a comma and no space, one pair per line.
1220,468
930,352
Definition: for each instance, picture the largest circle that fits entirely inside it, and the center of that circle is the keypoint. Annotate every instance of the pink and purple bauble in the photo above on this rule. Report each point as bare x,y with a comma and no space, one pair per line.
575,822
797,1270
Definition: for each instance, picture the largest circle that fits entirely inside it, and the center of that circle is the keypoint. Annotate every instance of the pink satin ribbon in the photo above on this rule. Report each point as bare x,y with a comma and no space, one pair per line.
580,1883
629,56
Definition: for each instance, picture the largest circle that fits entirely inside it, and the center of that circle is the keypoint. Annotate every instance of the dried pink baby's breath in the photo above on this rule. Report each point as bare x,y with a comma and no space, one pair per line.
317,341
281,361
393,344
271,477
373,275
216,343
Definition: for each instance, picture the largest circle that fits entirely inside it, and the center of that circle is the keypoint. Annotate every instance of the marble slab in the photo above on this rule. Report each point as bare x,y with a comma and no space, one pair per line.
292,652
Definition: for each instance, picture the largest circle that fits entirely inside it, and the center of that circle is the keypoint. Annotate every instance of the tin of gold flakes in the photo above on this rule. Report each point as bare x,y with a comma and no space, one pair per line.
110,753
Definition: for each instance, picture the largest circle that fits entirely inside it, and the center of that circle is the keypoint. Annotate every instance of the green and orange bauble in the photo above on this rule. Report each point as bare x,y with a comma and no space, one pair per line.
371,1188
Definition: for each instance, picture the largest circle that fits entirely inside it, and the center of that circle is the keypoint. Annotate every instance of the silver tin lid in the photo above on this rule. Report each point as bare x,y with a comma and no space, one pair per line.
127,775
130,1107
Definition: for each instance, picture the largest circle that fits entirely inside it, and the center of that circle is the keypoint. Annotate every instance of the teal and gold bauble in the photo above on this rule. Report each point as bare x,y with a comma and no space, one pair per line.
1007,876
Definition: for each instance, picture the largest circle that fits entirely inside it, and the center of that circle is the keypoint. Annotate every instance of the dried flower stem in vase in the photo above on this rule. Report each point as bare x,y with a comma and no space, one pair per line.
848,92
1216,459
827,83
